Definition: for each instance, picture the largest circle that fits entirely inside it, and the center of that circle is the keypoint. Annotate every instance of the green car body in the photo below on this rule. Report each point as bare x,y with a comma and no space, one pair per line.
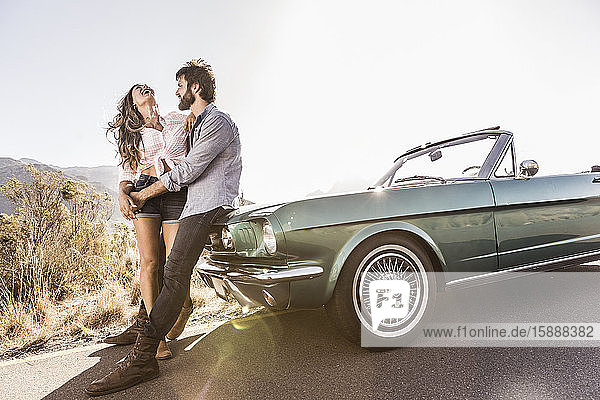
470,228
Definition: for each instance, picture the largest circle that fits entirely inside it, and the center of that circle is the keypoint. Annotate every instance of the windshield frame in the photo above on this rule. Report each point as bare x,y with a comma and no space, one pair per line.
503,139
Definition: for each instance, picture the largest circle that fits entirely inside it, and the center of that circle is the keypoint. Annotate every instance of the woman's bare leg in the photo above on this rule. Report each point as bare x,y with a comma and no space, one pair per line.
169,232
147,232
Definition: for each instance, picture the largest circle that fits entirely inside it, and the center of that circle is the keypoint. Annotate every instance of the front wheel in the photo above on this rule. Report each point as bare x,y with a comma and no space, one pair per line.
388,286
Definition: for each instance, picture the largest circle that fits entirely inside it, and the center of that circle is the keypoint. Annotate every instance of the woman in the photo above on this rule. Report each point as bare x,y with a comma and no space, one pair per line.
150,145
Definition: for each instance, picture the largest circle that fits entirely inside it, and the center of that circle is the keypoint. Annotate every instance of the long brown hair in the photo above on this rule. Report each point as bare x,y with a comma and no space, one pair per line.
126,127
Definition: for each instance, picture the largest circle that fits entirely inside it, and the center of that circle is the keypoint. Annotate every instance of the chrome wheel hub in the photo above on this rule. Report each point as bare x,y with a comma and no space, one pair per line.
401,282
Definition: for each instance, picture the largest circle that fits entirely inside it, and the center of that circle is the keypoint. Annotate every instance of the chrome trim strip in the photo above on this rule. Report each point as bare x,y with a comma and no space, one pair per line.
291,274
287,275
495,276
494,157
557,243
479,257
204,266
539,246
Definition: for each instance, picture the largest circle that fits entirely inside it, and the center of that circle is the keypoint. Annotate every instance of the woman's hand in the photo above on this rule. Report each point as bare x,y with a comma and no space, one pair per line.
127,206
138,199
189,122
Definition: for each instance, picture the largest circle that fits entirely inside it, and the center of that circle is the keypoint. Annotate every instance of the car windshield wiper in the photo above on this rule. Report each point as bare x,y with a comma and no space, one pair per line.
420,178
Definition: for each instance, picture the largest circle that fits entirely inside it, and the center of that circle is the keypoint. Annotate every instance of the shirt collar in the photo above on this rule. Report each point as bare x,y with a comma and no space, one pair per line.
203,114
207,110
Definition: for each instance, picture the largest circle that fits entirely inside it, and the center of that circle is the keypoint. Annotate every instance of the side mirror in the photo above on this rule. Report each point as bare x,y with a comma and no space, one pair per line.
527,169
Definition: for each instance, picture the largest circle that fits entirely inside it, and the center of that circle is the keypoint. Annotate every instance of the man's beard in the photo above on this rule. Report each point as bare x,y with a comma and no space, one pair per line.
187,100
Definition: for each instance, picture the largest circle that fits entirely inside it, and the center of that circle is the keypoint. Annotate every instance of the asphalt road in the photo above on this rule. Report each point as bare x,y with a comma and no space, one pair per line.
299,355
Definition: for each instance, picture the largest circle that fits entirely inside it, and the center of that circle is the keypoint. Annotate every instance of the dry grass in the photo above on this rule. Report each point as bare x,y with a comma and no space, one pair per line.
86,318
23,327
111,303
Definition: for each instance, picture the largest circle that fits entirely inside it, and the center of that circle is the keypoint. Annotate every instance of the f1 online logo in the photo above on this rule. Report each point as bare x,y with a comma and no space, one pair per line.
389,299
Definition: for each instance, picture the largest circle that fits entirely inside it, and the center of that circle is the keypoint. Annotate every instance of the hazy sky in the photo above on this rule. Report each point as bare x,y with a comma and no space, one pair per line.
322,91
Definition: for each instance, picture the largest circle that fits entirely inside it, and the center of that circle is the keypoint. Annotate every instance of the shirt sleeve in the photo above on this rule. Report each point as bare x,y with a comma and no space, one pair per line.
218,134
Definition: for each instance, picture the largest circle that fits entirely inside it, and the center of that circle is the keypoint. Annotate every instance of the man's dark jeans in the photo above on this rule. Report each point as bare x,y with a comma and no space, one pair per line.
187,247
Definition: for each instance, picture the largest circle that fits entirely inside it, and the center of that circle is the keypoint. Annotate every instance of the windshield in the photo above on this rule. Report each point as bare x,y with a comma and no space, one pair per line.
462,158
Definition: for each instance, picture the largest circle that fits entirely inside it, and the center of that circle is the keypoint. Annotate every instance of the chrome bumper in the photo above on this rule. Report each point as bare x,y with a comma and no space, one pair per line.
287,275
254,289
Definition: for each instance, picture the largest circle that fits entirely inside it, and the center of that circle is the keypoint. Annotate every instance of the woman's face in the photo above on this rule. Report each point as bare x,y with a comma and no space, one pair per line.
143,95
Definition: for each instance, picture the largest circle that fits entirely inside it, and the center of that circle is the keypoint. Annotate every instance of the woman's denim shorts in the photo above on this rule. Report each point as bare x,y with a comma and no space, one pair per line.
167,206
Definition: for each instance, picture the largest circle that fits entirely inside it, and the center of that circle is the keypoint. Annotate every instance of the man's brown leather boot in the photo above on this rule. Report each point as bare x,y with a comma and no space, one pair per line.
138,366
129,335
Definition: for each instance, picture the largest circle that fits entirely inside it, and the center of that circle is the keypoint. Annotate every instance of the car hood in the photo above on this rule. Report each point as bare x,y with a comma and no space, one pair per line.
245,213
253,211
369,204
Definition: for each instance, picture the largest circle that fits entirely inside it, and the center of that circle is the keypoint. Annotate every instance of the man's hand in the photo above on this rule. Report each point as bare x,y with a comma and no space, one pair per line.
127,206
189,122
138,199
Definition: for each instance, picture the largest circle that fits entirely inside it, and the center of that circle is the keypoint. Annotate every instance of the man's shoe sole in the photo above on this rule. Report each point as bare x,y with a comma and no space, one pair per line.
119,343
115,390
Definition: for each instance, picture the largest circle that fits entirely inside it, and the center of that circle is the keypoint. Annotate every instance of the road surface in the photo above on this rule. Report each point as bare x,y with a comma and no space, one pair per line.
298,355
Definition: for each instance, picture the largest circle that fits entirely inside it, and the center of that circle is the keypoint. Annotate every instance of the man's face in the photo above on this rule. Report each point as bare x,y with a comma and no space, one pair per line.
186,98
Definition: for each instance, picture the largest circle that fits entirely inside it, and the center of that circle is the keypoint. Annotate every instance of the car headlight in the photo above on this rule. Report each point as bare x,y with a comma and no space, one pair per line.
227,239
269,238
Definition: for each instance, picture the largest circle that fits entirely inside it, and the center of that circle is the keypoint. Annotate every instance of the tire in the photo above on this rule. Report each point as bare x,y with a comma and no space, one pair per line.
385,257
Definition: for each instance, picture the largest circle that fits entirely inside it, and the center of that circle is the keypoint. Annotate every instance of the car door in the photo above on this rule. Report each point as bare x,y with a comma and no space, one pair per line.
546,219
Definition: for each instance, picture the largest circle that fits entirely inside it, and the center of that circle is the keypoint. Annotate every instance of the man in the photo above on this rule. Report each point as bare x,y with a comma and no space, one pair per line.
211,171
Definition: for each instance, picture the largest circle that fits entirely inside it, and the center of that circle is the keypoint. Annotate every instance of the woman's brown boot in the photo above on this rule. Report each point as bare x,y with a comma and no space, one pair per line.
163,352
184,315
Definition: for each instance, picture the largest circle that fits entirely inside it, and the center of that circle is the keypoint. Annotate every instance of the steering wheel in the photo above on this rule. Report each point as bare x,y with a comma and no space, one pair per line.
471,167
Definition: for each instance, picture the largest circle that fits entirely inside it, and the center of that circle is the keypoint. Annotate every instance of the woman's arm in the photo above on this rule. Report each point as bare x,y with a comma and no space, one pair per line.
126,204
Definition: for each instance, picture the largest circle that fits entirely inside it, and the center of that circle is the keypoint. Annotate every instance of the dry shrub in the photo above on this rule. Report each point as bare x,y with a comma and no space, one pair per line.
70,318
135,292
111,302
19,329
57,247
58,239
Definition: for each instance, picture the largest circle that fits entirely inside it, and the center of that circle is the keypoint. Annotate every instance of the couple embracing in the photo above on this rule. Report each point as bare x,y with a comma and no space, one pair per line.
178,182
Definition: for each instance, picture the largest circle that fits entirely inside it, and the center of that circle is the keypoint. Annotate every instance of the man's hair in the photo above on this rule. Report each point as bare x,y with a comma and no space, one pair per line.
200,72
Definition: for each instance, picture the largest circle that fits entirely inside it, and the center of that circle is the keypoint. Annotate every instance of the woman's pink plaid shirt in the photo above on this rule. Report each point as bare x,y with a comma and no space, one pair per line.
169,145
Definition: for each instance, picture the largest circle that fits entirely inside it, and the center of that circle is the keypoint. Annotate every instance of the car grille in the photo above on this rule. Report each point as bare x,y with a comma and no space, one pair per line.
246,238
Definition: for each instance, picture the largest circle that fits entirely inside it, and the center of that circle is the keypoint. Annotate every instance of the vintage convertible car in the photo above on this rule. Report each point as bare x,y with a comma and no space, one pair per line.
447,214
